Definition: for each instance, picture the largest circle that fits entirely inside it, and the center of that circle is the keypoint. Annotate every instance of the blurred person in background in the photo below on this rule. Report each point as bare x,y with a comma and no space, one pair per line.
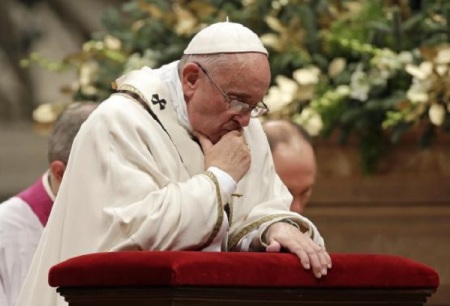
24,216
294,159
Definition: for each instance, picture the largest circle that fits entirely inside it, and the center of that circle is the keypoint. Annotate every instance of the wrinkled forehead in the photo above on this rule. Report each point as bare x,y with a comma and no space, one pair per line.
252,70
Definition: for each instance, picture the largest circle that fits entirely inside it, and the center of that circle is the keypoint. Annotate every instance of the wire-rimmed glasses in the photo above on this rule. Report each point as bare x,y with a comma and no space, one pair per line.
237,106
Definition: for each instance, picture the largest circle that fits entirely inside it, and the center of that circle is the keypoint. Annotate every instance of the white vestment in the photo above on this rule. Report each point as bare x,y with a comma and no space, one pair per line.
20,231
136,181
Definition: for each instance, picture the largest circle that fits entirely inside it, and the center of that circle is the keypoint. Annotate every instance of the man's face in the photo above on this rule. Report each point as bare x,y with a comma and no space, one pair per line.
297,169
208,109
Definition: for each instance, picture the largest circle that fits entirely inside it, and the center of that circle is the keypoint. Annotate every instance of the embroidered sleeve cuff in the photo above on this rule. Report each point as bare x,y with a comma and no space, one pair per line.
244,244
227,184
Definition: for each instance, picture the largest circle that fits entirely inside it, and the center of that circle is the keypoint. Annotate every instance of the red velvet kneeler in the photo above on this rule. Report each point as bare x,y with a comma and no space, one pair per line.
239,270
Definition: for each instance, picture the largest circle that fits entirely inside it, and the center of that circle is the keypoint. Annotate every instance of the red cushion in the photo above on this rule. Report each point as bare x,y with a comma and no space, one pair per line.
238,269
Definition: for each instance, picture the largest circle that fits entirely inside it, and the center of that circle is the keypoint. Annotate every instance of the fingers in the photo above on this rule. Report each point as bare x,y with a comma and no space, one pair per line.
273,247
311,255
313,258
320,261
328,260
230,154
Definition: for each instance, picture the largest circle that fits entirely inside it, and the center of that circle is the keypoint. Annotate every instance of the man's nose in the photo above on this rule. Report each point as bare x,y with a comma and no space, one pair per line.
243,119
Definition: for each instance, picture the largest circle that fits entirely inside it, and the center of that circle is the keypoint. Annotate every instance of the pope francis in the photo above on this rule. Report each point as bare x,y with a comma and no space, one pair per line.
176,159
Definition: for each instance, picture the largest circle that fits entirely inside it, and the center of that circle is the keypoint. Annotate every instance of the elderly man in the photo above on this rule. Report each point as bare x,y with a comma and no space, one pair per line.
175,161
294,158
23,217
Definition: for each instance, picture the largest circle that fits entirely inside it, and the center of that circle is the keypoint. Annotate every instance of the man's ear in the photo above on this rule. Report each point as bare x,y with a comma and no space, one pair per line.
57,169
189,77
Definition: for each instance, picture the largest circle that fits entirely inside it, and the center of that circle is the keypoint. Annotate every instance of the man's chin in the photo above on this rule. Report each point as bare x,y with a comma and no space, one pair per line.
215,139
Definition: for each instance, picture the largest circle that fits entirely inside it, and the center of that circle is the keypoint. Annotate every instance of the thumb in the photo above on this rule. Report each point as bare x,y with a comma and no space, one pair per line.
273,247
205,143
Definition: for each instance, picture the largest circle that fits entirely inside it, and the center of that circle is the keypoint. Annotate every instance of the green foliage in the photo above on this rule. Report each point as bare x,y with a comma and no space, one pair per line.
362,69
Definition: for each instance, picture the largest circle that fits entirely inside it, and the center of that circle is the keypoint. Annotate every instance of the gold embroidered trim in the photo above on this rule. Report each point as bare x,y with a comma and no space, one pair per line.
230,204
133,90
290,222
236,238
218,224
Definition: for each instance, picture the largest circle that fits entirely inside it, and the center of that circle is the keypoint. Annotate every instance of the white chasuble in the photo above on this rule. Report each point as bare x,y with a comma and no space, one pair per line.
136,180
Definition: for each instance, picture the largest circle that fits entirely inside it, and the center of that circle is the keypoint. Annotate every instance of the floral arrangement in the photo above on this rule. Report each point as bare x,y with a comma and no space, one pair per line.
364,70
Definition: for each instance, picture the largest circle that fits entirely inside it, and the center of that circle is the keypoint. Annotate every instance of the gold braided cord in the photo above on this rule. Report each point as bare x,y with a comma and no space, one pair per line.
133,90
218,224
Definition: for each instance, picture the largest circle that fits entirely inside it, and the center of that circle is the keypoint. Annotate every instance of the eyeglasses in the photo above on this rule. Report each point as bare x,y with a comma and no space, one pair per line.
237,106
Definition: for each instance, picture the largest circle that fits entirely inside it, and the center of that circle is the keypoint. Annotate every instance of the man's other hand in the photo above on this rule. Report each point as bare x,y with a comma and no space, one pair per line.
312,256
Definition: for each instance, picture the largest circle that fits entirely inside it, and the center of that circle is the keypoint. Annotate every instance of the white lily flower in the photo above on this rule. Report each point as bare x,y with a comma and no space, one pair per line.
359,85
336,66
274,100
88,90
93,45
443,56
88,71
112,42
307,76
387,60
274,23
185,20
310,120
270,40
437,114
417,93
343,91
44,114
420,72
442,70
379,77
287,85
405,57
417,96
281,95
